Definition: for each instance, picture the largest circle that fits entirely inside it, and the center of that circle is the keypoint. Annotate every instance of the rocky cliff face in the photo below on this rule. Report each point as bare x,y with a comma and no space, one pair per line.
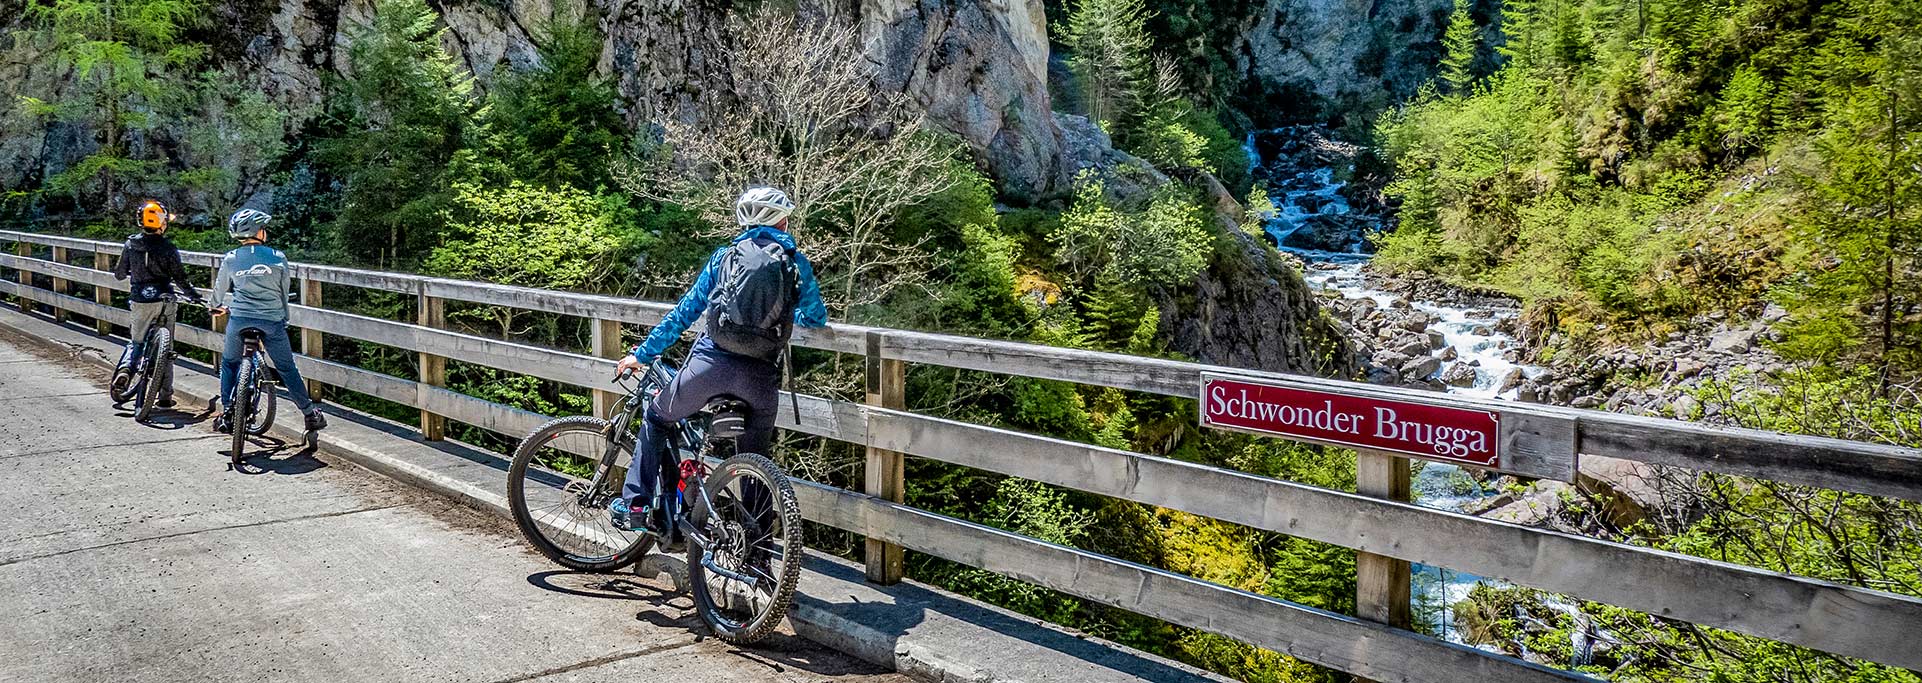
977,68
1251,308
980,70
1325,59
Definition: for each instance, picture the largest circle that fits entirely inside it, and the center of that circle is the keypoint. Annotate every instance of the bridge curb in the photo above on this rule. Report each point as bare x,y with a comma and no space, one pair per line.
912,628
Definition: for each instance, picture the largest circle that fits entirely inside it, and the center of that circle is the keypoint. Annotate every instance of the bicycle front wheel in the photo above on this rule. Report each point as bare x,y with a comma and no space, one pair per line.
556,503
243,401
160,354
743,580
260,413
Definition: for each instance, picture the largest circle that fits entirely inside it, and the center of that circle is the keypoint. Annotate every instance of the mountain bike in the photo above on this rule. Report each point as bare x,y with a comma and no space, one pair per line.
735,511
254,400
140,379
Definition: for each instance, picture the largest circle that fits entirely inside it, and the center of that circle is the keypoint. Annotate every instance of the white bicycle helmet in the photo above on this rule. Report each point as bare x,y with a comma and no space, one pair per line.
245,222
762,206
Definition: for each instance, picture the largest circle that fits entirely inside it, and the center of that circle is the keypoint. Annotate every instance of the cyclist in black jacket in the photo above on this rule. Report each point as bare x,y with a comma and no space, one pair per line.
153,264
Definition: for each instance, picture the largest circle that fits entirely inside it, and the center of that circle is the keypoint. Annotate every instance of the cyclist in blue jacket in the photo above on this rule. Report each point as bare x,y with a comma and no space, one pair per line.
752,291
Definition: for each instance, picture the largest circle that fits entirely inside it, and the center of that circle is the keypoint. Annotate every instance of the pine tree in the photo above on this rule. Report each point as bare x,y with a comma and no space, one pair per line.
1520,32
1745,111
1460,42
557,122
412,121
1864,219
125,56
1110,53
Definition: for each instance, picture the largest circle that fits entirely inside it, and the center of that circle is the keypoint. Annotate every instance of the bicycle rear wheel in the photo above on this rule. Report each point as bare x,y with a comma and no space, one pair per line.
243,400
743,580
160,354
558,507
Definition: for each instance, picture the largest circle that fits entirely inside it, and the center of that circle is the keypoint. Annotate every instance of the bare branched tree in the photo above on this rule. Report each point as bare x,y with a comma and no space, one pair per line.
804,115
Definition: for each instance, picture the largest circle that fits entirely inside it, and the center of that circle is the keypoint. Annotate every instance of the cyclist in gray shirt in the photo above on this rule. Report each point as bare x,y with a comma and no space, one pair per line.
252,288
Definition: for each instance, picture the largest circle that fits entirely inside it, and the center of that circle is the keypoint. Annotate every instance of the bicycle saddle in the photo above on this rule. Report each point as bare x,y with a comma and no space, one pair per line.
253,333
727,417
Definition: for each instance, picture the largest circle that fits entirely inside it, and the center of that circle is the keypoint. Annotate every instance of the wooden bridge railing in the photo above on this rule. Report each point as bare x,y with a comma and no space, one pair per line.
1846,620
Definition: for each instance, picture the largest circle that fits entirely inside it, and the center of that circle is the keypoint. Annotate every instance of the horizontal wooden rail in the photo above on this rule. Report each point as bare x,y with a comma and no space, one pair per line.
1366,649
1812,461
1842,619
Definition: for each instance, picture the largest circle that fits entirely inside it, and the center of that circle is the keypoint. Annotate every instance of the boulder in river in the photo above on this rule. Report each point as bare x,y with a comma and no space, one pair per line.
1448,354
1511,379
1420,368
1459,375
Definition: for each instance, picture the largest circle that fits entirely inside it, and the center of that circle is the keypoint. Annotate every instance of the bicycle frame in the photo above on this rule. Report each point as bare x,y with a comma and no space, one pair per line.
621,438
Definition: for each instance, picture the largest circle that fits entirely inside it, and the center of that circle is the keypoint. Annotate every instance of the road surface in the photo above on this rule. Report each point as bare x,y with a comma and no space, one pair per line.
133,553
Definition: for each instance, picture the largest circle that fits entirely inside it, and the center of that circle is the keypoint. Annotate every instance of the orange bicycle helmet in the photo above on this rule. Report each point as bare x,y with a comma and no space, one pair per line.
154,215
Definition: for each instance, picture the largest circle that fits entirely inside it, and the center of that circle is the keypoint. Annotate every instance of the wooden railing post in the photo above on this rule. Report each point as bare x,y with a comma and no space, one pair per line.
59,285
605,338
102,261
310,341
1382,582
24,250
433,369
886,470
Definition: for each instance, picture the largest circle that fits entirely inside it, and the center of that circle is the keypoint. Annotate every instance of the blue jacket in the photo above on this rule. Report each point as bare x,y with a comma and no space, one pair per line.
810,311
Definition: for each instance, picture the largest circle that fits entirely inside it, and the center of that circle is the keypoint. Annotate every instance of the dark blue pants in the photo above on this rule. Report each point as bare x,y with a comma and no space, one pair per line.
709,373
279,350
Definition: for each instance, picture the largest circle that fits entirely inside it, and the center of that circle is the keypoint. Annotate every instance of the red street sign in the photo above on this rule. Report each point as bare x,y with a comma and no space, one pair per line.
1453,435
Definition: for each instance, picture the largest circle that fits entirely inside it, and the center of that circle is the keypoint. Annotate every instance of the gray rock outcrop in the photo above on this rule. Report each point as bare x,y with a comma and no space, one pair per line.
977,69
1324,58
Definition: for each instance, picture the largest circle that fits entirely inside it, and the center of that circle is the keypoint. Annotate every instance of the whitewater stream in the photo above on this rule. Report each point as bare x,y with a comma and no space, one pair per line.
1311,195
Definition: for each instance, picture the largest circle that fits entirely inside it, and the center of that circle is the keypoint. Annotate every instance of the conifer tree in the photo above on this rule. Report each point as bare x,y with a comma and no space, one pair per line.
124,55
1864,219
1460,43
556,122
1110,54
1745,111
412,121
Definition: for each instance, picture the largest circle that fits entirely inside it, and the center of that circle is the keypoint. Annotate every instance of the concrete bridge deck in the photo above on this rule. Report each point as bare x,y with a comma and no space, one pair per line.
133,553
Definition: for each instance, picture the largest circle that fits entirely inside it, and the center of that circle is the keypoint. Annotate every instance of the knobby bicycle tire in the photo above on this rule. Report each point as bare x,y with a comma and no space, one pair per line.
531,529
243,398
260,417
160,354
788,510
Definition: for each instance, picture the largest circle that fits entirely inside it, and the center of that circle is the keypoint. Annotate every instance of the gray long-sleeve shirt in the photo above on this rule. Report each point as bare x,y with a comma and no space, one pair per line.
253,283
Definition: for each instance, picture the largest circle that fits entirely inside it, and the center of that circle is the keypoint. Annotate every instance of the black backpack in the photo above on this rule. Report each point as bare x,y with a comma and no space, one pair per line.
751,311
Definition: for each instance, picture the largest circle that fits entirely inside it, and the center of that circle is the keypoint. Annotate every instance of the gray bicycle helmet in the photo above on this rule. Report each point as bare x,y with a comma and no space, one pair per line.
245,223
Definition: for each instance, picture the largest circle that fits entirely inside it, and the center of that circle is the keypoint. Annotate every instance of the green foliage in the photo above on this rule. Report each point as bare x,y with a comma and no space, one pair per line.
1109,51
1257,212
1162,246
556,122
234,136
532,237
1600,172
1460,43
1464,168
128,59
1862,218
410,121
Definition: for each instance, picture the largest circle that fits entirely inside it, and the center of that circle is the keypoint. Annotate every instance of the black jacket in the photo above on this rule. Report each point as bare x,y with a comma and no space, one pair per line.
153,263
